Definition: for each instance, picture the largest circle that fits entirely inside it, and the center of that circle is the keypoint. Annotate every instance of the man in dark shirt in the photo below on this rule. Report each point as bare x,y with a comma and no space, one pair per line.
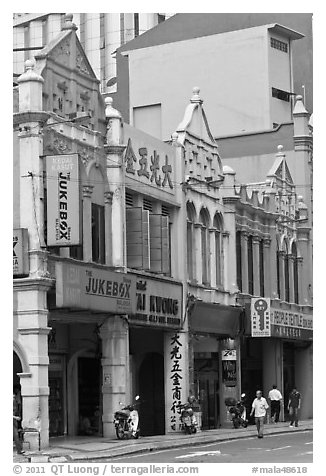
294,406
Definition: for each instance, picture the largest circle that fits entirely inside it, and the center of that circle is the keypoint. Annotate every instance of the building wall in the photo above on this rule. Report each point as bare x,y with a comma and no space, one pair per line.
185,26
232,69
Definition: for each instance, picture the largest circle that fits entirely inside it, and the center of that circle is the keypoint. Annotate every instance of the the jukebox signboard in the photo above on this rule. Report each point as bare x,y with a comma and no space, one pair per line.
63,200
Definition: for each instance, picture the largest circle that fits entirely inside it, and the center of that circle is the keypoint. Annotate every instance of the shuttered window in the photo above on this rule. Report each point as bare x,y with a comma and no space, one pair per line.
148,241
137,234
159,244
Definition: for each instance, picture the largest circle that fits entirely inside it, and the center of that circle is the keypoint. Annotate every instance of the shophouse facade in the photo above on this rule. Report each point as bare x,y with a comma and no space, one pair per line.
273,263
98,285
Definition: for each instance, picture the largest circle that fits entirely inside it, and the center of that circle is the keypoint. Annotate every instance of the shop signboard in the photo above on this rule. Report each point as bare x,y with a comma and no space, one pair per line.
63,200
149,161
158,303
176,378
291,325
260,317
95,289
229,367
20,252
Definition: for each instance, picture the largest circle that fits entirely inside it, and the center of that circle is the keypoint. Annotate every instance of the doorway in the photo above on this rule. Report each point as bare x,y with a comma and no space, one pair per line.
89,396
207,388
151,389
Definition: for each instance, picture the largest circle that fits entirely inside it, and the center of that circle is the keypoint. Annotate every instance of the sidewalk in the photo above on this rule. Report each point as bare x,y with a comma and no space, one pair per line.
83,448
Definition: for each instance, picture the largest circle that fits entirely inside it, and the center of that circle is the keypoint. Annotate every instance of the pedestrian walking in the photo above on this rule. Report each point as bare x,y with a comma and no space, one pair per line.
16,419
294,407
259,407
275,398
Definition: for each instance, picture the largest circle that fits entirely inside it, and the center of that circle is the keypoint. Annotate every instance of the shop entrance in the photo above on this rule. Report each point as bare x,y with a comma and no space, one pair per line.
17,368
207,388
288,373
89,396
151,390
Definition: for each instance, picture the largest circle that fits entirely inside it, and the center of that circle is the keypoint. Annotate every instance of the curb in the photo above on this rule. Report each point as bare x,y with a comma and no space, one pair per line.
166,446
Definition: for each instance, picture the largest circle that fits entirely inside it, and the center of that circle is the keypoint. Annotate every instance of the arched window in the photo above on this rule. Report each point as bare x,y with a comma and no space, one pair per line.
205,249
278,272
98,216
190,241
286,275
217,224
295,273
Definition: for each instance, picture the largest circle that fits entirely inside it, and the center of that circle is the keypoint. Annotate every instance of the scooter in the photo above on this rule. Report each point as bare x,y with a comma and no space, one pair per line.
188,419
238,412
126,421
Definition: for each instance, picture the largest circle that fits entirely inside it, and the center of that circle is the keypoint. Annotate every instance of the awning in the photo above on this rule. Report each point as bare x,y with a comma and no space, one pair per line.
215,318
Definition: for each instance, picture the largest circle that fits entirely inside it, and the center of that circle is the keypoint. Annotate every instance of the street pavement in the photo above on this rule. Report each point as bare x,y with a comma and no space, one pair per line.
296,447
78,449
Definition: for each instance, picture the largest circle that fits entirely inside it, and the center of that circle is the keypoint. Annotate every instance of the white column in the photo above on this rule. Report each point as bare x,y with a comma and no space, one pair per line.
112,42
92,41
115,368
108,228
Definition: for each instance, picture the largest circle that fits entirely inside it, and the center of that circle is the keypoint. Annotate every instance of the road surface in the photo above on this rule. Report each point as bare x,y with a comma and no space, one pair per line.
294,447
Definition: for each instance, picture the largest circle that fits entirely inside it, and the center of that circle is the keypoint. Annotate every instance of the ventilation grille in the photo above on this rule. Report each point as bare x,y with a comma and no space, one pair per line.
147,205
129,200
165,211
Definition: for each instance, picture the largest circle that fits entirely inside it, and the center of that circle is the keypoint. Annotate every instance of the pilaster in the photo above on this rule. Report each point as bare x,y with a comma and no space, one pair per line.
115,368
198,252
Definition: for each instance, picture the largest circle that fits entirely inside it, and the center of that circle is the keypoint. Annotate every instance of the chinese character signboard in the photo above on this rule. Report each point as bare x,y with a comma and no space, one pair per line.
20,252
63,200
158,303
260,317
149,161
86,287
176,379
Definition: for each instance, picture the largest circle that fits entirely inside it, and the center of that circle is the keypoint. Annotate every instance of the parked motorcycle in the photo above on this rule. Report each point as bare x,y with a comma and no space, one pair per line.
126,421
188,419
237,411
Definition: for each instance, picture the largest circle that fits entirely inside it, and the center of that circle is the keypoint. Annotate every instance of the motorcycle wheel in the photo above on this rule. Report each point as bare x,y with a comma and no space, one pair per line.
187,430
194,430
119,431
244,424
236,424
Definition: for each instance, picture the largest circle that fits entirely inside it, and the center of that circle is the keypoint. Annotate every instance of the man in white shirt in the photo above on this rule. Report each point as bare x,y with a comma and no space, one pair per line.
275,397
259,407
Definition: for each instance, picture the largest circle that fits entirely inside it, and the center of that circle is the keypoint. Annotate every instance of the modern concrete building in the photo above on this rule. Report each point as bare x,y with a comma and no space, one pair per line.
99,33
237,58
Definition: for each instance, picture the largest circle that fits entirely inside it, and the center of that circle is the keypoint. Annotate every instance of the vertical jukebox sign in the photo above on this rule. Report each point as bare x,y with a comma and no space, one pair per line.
63,200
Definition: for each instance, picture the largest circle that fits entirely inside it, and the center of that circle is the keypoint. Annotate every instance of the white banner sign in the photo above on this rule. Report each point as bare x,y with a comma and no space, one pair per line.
260,317
176,378
63,200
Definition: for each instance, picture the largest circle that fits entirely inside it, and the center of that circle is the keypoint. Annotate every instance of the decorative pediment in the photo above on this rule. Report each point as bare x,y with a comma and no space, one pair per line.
280,168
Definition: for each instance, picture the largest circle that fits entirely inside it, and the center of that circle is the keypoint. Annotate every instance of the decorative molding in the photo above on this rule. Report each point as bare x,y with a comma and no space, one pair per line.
87,190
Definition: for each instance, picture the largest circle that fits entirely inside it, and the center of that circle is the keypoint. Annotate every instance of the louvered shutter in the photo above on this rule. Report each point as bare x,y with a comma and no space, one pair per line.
137,234
159,244
165,245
